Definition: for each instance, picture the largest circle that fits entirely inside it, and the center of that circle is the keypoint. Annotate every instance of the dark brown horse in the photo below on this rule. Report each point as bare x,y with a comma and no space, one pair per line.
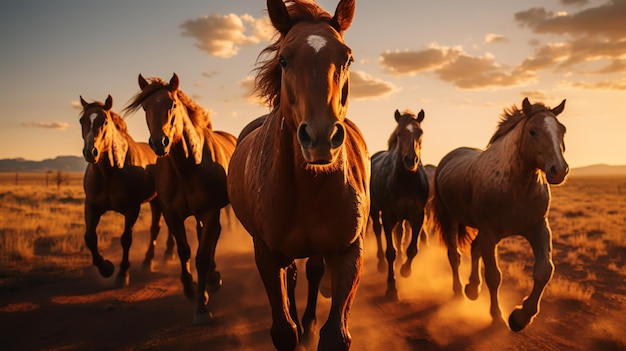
502,191
119,177
190,177
399,191
299,177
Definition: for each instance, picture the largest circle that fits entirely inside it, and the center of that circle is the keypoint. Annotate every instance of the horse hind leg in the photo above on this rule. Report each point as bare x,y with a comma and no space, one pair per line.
314,273
209,279
380,253
155,228
449,233
542,273
472,289
130,218
92,218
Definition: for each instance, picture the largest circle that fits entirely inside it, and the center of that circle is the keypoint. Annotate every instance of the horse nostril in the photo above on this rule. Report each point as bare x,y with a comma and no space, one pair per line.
94,152
304,137
553,170
165,141
338,136
151,143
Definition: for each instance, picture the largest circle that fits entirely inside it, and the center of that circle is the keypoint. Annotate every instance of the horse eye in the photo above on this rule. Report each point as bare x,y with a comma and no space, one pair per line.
282,61
532,133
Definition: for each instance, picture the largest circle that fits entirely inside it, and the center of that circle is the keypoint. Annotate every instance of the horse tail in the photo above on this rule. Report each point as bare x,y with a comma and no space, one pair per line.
440,219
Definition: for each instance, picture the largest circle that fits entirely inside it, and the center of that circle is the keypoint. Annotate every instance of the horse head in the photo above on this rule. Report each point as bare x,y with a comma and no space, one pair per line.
543,140
96,126
163,112
312,62
407,139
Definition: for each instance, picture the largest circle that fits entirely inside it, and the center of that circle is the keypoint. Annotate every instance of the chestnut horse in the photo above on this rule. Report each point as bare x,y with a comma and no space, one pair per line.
503,191
119,177
399,191
190,177
299,180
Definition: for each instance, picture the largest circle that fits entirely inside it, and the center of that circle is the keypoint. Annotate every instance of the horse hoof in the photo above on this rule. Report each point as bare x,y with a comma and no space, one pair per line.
202,318
147,266
190,290
122,280
215,283
382,266
471,292
514,322
106,269
392,295
405,271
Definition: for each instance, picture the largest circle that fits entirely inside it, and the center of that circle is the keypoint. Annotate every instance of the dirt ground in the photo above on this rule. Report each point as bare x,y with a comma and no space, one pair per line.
79,310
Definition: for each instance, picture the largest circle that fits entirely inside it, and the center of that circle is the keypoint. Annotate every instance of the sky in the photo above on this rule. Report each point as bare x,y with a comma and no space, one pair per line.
462,62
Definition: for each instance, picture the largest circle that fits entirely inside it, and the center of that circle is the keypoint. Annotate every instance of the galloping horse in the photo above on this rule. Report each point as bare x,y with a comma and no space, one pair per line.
503,191
190,177
299,180
119,177
399,191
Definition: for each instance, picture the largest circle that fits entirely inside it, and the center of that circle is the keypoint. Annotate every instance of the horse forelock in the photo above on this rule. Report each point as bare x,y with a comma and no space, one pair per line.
267,83
198,115
118,121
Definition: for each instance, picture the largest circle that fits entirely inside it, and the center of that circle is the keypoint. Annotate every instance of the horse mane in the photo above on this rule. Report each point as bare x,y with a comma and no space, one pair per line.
510,118
393,140
199,116
117,119
267,81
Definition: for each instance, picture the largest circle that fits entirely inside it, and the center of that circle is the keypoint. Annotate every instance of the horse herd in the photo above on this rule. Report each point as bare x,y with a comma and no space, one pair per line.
302,183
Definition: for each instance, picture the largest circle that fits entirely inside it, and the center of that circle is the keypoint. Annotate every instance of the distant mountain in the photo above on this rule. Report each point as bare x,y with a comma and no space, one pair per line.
60,163
599,170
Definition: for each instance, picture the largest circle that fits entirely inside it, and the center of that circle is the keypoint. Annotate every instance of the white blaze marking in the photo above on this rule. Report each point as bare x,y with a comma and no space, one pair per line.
316,42
553,127
92,118
409,127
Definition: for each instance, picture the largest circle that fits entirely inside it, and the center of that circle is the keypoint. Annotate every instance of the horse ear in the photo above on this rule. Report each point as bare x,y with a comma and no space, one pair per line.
142,82
557,110
526,106
279,15
343,15
397,115
83,102
174,83
420,116
108,103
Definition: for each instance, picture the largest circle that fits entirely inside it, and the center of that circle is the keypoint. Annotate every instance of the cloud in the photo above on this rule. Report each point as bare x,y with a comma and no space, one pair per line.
76,104
593,36
496,38
247,84
224,35
209,74
363,86
453,65
47,125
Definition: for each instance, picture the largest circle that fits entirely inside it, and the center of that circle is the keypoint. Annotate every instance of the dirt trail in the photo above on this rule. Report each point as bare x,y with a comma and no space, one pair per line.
82,311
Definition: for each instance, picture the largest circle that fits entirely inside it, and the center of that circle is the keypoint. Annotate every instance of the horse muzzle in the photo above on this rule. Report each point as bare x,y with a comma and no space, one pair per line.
410,163
90,154
555,174
160,146
321,147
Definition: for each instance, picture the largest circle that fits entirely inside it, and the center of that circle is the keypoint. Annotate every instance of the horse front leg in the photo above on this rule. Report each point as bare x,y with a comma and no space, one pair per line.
209,279
392,291
493,277
176,225
155,228
284,331
314,273
472,289
345,268
541,243
416,228
380,254
130,218
92,218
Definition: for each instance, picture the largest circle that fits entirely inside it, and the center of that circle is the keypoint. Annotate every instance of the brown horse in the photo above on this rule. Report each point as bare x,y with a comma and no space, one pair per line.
502,191
300,175
399,192
119,177
190,177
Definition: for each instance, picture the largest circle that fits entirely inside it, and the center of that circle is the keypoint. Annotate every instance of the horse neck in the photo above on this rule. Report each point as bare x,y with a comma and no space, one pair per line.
504,156
118,146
